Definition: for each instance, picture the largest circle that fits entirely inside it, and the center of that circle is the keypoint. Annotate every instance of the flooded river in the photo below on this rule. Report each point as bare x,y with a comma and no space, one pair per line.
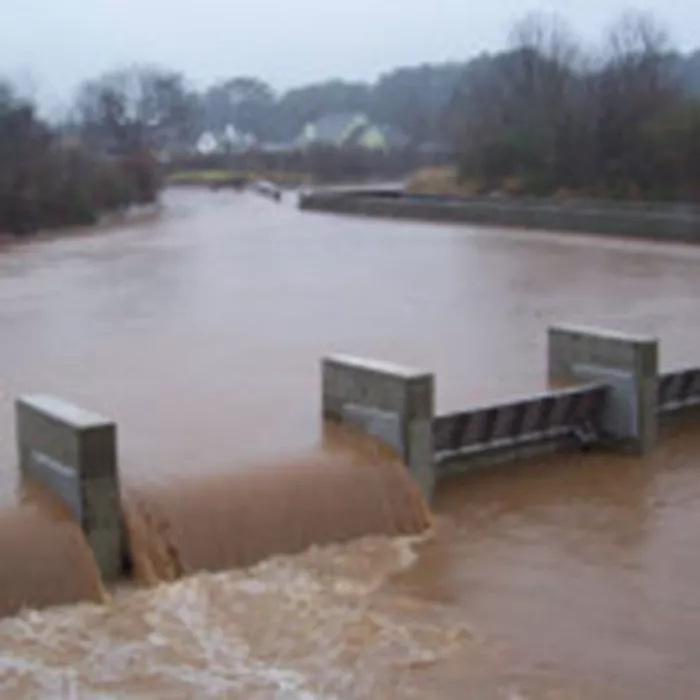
200,333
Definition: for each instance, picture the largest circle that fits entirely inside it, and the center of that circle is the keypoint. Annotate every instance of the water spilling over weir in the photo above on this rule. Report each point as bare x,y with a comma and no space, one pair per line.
351,487
200,335
215,522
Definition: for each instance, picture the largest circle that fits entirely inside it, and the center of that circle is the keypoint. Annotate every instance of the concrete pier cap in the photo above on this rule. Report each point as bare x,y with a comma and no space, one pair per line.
395,404
73,453
628,364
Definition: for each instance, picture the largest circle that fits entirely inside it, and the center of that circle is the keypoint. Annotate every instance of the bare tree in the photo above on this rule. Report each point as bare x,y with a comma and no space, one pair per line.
555,116
517,112
634,86
135,109
549,72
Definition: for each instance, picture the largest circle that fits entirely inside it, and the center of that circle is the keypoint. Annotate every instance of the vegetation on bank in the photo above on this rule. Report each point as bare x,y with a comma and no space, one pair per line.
48,181
550,118
545,117
212,178
291,168
440,181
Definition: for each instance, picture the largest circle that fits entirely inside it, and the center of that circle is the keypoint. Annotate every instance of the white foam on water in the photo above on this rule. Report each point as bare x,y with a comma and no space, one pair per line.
317,626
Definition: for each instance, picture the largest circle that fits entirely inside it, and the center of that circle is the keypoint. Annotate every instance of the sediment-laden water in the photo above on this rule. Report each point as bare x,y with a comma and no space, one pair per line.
201,332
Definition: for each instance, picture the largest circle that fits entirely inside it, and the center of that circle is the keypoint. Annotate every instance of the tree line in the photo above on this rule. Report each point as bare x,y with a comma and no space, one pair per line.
48,181
546,115
412,99
424,102
104,155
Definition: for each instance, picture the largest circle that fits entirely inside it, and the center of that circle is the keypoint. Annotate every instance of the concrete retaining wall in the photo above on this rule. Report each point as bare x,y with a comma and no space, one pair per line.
395,404
629,365
665,222
74,454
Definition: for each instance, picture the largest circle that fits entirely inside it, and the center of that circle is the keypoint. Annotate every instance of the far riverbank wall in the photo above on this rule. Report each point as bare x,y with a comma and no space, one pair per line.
654,221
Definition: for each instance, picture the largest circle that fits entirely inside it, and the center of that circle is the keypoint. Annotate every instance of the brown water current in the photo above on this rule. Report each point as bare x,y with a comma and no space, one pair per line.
200,333
351,488
45,559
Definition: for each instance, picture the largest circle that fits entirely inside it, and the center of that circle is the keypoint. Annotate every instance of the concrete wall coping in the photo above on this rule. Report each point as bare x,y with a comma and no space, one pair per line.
378,366
603,333
65,412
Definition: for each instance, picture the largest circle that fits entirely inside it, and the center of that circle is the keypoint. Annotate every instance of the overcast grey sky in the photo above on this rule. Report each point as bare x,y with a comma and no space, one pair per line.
53,44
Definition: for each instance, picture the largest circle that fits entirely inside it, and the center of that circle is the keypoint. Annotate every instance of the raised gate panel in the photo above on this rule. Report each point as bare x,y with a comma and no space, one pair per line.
544,410
559,412
549,416
695,385
665,389
502,422
441,433
676,390
475,427
532,416
671,387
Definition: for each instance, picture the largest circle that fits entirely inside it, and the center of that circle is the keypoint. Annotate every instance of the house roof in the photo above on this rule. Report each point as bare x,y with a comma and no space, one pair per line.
334,128
351,129
394,138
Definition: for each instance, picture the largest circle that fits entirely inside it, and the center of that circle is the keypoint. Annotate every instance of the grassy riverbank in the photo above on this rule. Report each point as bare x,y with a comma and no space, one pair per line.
447,181
232,178
438,181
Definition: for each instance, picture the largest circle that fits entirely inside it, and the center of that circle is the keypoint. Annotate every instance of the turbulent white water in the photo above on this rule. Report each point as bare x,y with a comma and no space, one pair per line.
316,626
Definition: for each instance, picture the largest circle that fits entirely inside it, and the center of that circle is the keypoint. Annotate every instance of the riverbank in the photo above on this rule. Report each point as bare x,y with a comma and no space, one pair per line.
134,215
236,179
643,220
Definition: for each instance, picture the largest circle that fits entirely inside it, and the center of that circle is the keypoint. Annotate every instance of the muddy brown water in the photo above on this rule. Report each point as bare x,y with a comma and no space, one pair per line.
201,332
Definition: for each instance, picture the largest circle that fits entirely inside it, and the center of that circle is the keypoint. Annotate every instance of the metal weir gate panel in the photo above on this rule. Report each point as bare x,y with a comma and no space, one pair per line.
568,413
679,390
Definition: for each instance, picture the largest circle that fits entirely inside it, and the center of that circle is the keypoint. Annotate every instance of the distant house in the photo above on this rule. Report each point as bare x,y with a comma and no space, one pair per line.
333,130
278,148
234,140
351,131
227,141
207,144
382,138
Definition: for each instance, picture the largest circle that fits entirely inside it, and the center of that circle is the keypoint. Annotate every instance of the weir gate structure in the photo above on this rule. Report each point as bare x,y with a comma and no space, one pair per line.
612,397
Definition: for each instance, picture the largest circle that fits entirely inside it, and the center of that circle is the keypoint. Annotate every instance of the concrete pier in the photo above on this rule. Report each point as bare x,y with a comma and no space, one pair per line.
628,364
73,453
394,403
